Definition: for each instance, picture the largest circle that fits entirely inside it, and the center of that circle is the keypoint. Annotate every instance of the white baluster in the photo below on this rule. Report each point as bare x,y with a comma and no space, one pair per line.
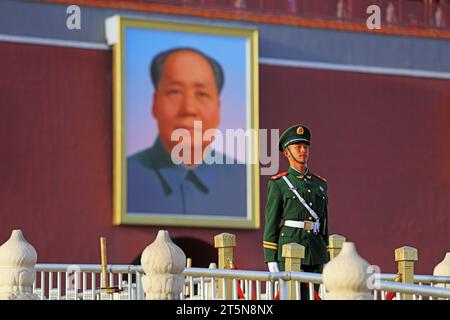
163,263
345,277
17,274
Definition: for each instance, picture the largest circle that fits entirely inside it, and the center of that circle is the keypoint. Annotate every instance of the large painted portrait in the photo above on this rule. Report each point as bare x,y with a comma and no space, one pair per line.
185,124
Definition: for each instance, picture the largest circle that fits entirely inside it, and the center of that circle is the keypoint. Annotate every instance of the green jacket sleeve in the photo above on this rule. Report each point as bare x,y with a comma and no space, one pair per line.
273,214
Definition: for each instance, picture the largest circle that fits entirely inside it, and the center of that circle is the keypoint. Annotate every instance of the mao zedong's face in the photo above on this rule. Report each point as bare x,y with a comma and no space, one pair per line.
186,92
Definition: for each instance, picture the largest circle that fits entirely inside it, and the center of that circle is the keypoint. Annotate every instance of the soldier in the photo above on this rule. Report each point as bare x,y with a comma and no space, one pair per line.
296,209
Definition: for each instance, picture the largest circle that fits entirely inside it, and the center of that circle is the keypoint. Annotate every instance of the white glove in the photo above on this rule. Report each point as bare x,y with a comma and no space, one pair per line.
273,267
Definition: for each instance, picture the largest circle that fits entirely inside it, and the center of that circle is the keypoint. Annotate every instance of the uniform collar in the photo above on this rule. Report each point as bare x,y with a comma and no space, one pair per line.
298,174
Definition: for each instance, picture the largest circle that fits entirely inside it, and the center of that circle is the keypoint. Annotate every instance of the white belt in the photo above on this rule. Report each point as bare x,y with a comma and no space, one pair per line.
301,225
294,224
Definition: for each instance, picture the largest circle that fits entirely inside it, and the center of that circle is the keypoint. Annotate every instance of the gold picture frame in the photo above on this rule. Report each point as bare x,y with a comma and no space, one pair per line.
127,52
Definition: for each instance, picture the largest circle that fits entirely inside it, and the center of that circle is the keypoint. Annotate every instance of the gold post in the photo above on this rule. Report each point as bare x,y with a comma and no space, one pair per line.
405,257
335,243
293,254
105,279
187,286
225,242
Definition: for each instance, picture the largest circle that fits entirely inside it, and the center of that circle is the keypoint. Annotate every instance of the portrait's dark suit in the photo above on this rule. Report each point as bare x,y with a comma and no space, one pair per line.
157,185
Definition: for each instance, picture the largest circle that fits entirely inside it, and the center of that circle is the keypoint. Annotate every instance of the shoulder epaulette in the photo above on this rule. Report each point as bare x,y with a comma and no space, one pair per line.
279,175
323,179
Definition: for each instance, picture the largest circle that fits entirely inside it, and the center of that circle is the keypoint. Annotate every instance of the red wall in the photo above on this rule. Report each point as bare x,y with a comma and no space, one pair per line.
381,142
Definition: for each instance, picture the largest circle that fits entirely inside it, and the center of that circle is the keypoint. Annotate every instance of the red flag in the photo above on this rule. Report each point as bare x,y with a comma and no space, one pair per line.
390,296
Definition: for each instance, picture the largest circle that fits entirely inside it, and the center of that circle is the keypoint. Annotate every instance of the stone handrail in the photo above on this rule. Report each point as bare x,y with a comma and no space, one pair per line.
164,266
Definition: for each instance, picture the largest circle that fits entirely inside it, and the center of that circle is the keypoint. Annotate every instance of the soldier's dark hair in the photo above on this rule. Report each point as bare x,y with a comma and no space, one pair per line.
157,64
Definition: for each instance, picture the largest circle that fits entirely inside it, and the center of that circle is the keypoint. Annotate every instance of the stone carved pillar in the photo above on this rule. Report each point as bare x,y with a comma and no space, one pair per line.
163,263
17,274
345,277
443,269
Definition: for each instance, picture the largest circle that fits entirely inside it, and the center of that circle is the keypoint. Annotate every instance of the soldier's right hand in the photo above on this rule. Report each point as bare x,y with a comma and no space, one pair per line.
273,266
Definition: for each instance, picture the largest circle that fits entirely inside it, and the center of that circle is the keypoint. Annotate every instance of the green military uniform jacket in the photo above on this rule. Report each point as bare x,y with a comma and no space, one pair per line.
283,204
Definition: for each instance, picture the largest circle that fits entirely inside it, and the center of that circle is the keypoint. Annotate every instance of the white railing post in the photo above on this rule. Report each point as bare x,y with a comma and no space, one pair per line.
163,263
345,277
211,287
17,274
443,269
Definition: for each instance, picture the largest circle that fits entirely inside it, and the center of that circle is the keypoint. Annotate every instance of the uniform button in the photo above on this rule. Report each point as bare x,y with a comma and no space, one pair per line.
310,204
304,179
309,218
309,190
293,197
308,231
282,234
